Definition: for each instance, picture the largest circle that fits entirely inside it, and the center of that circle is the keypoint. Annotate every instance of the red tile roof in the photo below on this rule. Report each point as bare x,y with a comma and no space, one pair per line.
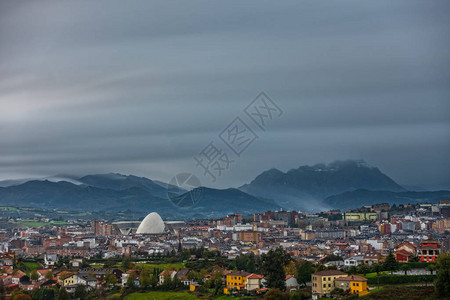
352,278
255,276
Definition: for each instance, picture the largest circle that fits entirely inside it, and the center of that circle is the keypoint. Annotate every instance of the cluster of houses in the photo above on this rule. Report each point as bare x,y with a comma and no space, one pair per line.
428,251
324,282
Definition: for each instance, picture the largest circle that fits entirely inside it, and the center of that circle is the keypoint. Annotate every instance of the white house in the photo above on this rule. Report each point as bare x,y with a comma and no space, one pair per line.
291,282
353,261
50,260
163,273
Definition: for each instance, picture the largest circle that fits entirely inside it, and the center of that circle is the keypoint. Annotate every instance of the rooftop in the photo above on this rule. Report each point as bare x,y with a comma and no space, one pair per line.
329,273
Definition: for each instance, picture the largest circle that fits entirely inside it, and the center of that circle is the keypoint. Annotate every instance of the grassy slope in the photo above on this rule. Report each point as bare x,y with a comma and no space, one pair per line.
161,296
402,293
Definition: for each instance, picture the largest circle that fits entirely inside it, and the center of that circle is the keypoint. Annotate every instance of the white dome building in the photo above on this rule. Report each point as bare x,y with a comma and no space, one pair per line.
152,224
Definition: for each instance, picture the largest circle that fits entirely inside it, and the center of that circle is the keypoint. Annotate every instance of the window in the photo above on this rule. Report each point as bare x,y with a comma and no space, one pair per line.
324,285
329,285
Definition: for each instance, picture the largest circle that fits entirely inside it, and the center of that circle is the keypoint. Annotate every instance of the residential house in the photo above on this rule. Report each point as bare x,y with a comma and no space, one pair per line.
6,260
405,251
353,261
323,281
235,281
69,280
372,258
182,276
42,273
20,277
253,282
50,260
291,282
353,283
171,274
86,280
429,251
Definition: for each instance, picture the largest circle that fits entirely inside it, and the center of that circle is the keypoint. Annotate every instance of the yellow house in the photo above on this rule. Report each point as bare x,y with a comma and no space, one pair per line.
193,286
356,284
69,280
235,281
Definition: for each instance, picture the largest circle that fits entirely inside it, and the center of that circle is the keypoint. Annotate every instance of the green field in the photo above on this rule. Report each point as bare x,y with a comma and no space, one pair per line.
37,224
370,275
161,296
9,208
31,265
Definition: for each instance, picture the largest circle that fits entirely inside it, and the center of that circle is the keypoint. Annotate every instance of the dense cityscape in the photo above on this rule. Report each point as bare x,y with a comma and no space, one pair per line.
221,150
271,255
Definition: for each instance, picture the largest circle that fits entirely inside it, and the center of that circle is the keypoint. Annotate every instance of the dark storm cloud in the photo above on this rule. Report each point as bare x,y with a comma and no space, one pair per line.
140,88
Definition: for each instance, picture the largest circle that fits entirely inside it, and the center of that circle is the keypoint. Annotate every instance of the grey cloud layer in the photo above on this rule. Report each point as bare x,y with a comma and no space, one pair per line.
141,88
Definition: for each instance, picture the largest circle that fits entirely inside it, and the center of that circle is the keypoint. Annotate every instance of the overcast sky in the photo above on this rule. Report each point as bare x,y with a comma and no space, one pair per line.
141,87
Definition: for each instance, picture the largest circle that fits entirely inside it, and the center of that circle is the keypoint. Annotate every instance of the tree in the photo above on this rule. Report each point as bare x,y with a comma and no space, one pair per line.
194,275
390,264
321,267
49,275
304,272
2,290
217,279
63,294
363,269
80,292
291,268
431,267
34,275
405,268
276,294
414,259
273,264
109,264
352,270
378,268
126,263
251,266
145,278
442,282
332,257
130,280
154,280
44,294
110,279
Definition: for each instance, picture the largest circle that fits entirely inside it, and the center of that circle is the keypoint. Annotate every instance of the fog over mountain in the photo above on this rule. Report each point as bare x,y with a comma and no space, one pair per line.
306,186
338,185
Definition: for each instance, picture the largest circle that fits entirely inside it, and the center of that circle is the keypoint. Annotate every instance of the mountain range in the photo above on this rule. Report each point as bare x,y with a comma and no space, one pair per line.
116,192
338,185
306,186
